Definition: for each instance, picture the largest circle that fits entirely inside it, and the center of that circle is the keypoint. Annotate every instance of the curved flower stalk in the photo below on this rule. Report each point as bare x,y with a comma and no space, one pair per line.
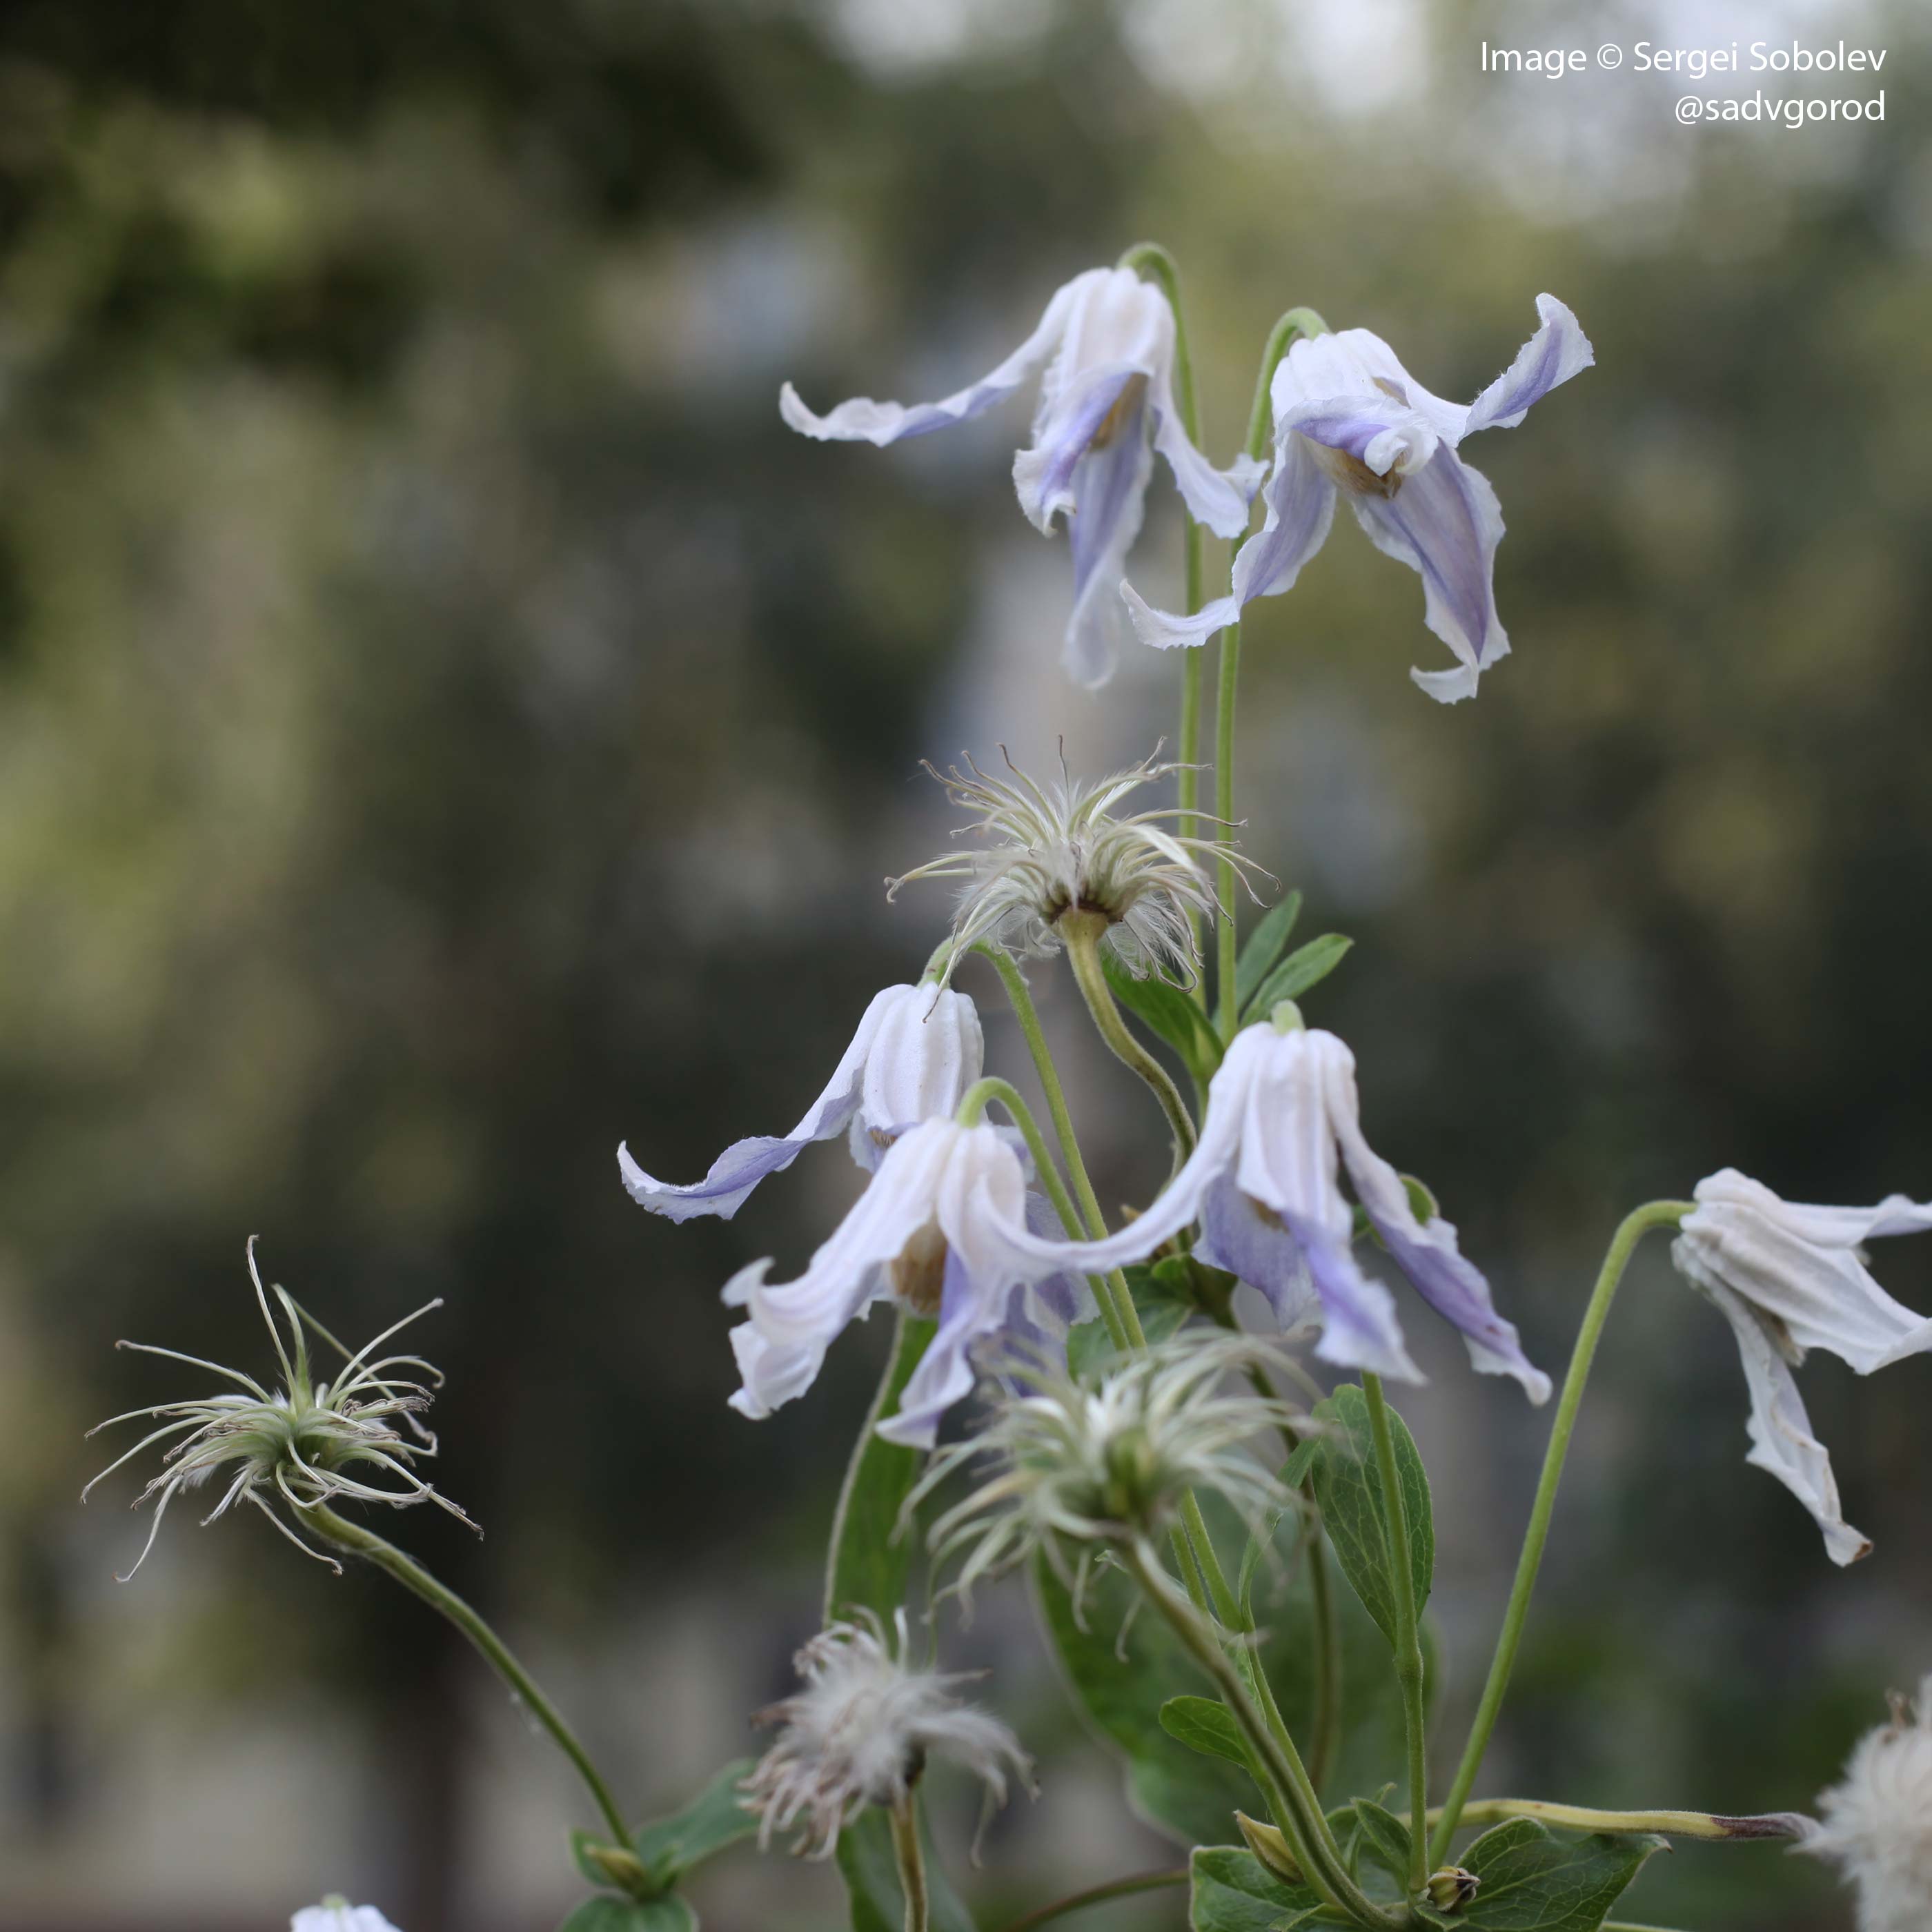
1265,1184
1059,848
913,1057
294,1448
1350,421
1106,343
1111,1457
944,1229
860,1731
1790,1278
1877,1826
335,1914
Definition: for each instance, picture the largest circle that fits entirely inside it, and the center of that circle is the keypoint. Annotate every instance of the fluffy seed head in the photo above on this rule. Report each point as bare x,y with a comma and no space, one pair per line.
859,1733
1108,1458
295,1445
1059,849
1877,1824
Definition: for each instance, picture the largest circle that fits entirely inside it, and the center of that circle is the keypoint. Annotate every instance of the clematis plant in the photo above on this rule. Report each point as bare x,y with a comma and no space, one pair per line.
1174,1418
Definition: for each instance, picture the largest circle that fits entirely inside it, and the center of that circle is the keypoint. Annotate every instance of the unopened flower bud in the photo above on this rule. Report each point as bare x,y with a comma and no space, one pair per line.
1451,1887
1269,1846
623,1868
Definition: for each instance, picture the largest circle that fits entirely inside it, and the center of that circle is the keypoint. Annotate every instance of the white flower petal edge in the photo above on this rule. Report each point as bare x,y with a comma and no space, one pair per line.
1789,1278
1877,1825
1106,343
330,1916
1264,1182
1350,421
913,1056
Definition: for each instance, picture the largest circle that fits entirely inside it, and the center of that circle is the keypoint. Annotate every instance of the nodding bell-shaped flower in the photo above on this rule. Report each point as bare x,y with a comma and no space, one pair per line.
860,1731
335,1914
1106,407
1350,421
913,1057
1265,1183
1060,849
1790,1278
943,1229
1877,1826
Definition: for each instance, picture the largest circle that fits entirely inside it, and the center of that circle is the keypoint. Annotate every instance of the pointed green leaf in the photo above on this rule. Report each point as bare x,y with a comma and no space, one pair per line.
668,1914
1533,1881
870,1561
1230,1890
1263,947
871,1870
1204,1726
1170,1013
1302,968
1384,1838
670,1846
1347,1487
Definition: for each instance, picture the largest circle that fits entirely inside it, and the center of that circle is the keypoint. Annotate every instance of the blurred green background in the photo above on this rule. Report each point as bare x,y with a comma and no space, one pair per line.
447,725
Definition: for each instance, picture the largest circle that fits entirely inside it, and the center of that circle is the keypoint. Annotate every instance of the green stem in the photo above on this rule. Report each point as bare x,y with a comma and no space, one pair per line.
1099,1894
1707,1827
1326,1730
1299,1817
905,1817
972,1104
1081,932
360,1542
1635,1226
1408,1624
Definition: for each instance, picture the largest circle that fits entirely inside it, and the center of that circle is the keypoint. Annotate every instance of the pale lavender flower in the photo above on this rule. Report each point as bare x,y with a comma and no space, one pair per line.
945,1229
860,1732
1265,1183
1789,1278
1877,1826
913,1056
335,1914
1349,420
1106,406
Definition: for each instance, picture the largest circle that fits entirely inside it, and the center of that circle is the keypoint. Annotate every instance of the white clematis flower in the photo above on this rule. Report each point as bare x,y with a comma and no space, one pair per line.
1877,1828
913,1056
1350,420
1789,1278
337,1915
1265,1183
944,1229
1106,406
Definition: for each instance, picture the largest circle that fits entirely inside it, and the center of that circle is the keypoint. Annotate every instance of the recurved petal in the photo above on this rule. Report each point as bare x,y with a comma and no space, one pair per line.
928,1050
971,1309
1780,1430
1110,484
1236,1235
1103,406
1444,523
1360,1328
862,420
1558,350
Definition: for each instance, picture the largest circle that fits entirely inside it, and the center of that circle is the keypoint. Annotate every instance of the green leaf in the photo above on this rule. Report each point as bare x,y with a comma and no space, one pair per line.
1263,947
670,1846
1163,1297
1204,1726
1302,968
1532,1881
870,1562
871,1870
668,1914
1347,1486
1230,1890
1170,1013
1385,1838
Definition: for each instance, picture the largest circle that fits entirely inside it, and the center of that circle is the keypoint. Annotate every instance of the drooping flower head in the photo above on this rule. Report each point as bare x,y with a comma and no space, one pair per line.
912,1059
1877,1826
1059,848
303,1444
1789,1278
1284,1119
1106,405
860,1731
1109,1457
944,1228
335,1914
1351,421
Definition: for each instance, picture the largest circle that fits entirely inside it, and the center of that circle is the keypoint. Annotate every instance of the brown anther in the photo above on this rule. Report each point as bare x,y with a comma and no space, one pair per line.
919,1271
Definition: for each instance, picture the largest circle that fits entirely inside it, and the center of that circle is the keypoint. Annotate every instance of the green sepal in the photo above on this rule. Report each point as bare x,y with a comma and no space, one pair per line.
1263,947
1204,1726
1341,1463
870,1867
1302,969
668,1914
1533,1881
1168,1013
669,1847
